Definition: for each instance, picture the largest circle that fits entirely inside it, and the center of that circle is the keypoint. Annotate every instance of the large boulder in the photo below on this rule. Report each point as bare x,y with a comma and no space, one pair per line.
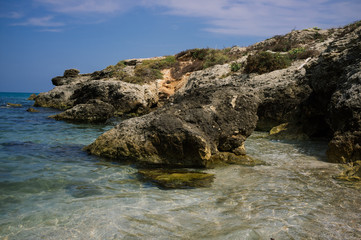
125,97
187,133
70,76
60,97
94,111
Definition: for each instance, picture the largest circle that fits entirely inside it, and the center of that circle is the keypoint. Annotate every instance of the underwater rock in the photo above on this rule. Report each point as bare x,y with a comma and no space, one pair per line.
174,179
226,158
13,105
288,131
32,110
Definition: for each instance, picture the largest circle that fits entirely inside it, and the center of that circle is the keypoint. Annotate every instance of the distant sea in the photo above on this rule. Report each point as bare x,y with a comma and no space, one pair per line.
51,189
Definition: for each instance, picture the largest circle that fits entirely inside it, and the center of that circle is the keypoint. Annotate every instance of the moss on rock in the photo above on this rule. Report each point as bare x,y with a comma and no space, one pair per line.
173,179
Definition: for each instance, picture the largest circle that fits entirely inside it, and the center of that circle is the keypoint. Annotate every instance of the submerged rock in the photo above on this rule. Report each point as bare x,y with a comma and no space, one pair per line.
13,105
173,179
32,110
225,158
288,131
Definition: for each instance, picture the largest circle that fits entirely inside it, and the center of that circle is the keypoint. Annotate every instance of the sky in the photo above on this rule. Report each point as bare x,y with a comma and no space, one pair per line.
39,39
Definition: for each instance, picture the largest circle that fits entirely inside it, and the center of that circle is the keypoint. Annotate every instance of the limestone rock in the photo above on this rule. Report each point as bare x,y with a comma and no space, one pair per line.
71,73
345,147
59,97
92,112
125,97
70,79
186,133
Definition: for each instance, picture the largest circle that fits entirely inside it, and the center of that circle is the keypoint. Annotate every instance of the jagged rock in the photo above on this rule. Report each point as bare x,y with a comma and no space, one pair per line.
94,111
71,73
334,106
281,92
32,96
32,110
319,97
345,147
66,80
198,125
101,74
125,97
59,97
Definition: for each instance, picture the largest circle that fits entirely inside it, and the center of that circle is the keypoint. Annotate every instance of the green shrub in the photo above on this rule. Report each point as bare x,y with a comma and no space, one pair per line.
235,67
215,57
209,57
263,62
302,53
160,64
143,73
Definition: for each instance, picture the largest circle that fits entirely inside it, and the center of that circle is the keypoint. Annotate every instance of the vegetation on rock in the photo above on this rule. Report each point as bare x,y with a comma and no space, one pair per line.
263,62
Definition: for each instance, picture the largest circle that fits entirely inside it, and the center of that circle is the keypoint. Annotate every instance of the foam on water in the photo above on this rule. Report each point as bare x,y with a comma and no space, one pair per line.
51,189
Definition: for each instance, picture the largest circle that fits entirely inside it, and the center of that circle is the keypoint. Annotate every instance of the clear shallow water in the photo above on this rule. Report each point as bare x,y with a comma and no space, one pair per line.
51,189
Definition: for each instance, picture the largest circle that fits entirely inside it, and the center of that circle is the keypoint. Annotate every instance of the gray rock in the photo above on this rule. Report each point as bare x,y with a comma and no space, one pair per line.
71,73
198,125
124,97
95,111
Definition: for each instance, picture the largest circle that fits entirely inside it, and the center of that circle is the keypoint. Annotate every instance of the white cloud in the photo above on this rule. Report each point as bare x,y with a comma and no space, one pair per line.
237,17
88,6
12,15
40,22
264,17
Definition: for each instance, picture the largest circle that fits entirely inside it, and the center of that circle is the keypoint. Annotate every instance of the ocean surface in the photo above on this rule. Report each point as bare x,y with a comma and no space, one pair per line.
51,189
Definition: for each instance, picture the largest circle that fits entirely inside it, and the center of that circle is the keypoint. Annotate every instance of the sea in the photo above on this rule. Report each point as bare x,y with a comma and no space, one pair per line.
51,189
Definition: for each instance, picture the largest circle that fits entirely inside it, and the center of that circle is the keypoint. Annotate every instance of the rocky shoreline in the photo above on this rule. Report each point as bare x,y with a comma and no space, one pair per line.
198,107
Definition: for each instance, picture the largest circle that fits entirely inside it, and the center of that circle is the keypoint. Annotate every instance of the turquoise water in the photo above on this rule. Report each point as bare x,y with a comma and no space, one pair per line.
51,189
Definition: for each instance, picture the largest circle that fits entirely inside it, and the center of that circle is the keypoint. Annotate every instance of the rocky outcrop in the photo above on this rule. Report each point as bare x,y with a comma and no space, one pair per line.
70,76
187,133
335,80
124,97
32,96
214,110
59,97
94,111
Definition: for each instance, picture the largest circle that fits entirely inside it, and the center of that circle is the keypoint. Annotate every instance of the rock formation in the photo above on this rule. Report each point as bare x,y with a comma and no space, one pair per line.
315,92
190,132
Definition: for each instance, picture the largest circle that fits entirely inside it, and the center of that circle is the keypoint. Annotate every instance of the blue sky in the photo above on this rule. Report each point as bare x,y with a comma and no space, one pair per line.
39,39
